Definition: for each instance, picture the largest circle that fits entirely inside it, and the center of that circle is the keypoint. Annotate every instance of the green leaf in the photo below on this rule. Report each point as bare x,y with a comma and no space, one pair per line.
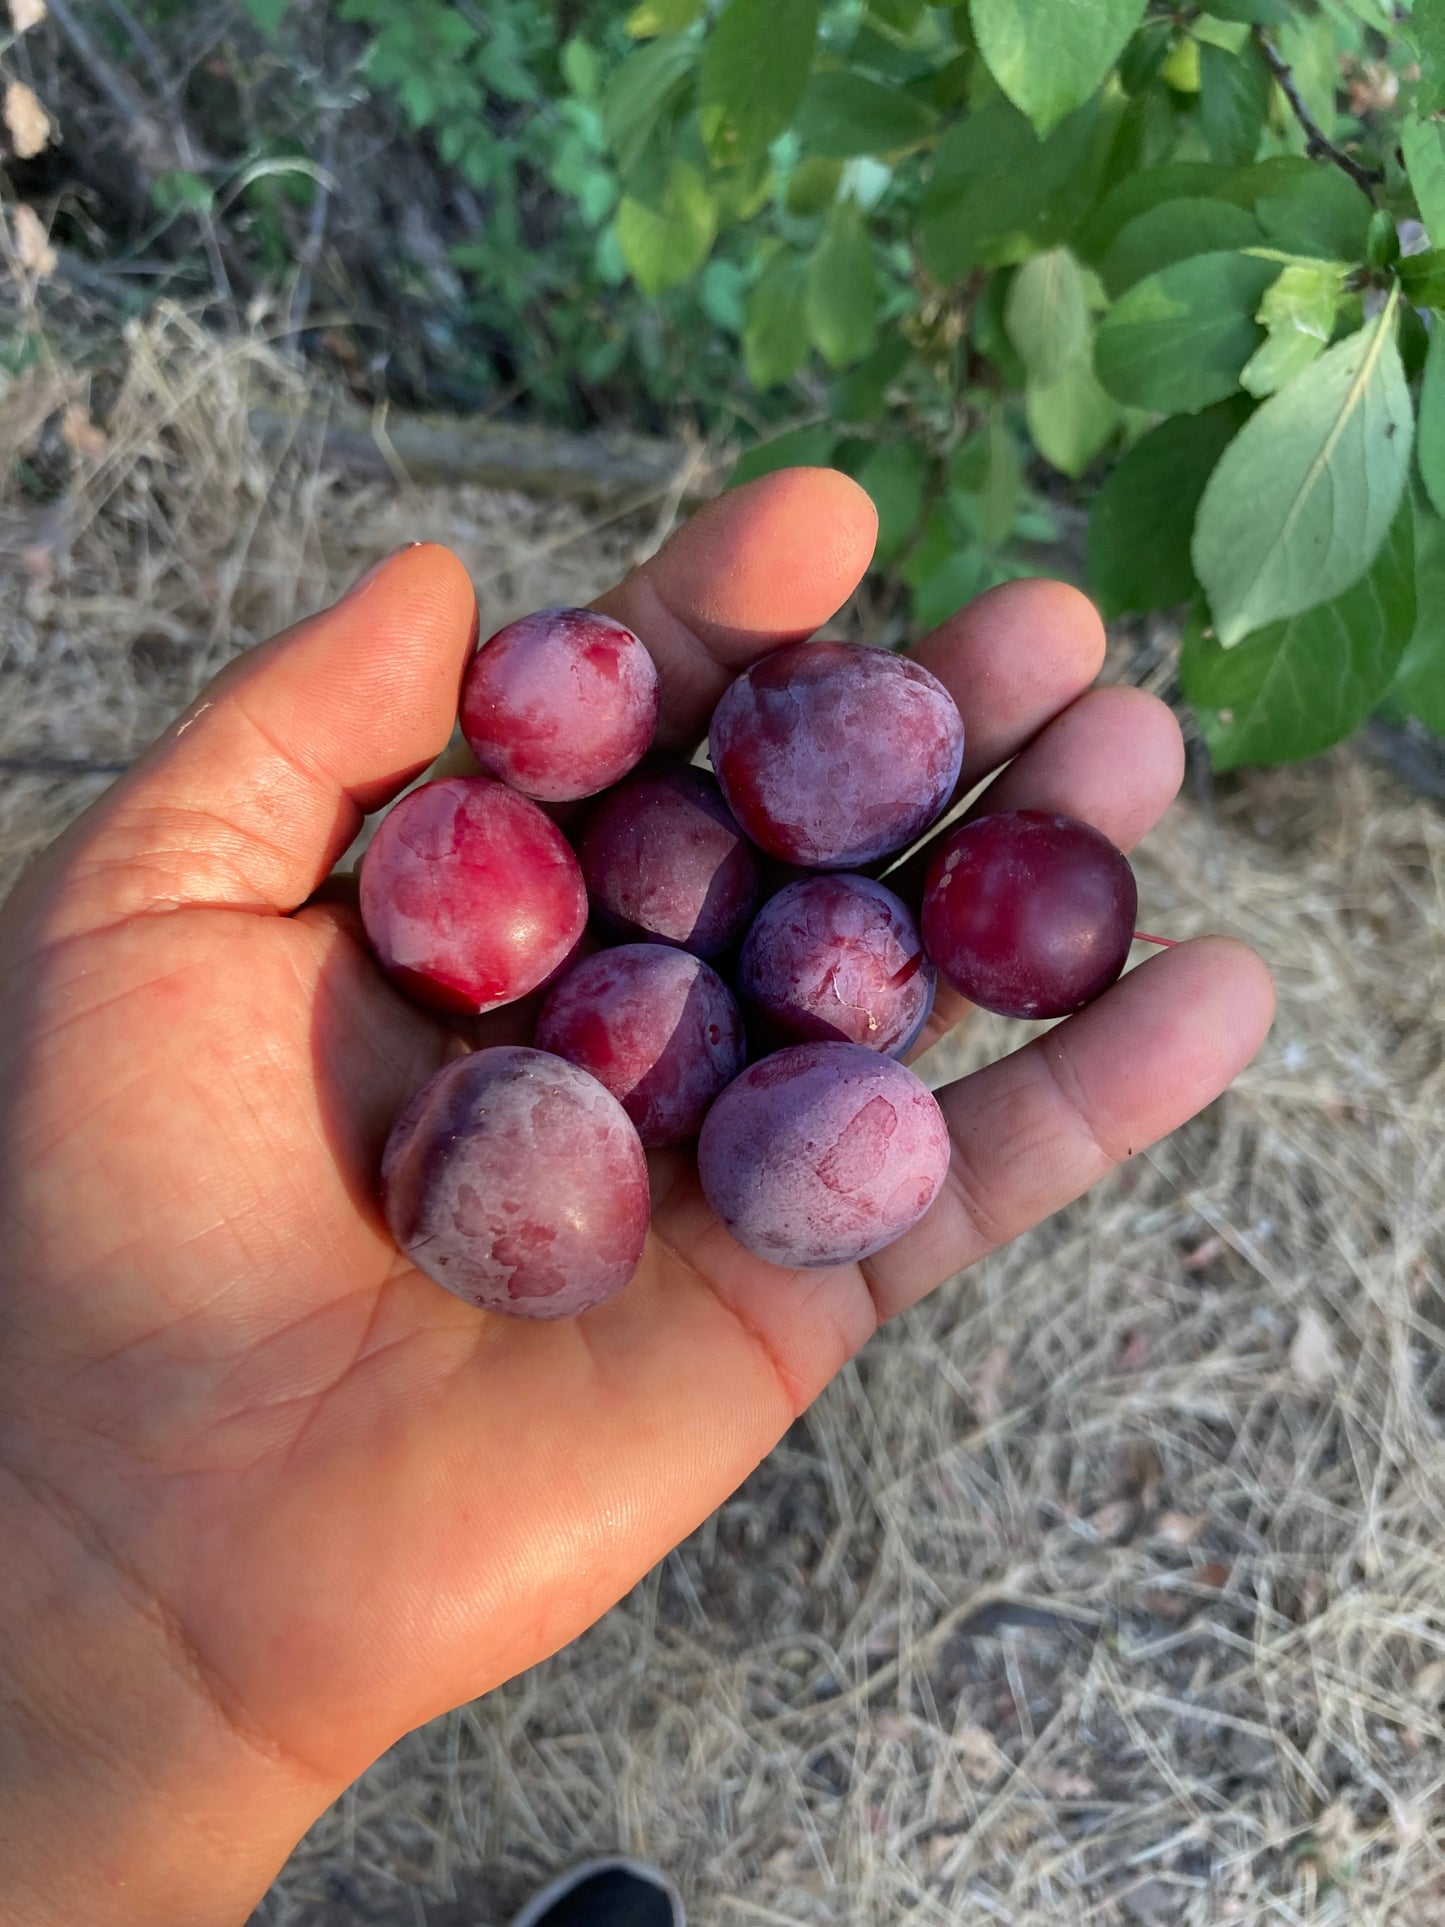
1263,13
996,189
843,289
958,579
641,95
1305,493
1430,449
1419,685
721,292
1292,689
775,341
1316,211
1136,193
653,17
1176,231
902,15
267,14
668,236
581,68
998,499
1049,59
754,74
1071,418
1143,517
1423,145
844,115
861,395
1298,313
1422,276
813,186
810,447
894,475
177,190
1047,314
1427,27
1234,94
1177,341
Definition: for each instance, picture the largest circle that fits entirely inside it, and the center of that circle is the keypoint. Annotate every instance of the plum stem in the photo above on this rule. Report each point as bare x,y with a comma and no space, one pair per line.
1165,943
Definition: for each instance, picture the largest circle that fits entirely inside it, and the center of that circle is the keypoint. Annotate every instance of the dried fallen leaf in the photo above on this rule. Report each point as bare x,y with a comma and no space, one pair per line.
988,1385
80,434
25,14
1113,1519
1180,1528
1313,1359
32,244
979,1754
1428,1685
1061,1785
26,120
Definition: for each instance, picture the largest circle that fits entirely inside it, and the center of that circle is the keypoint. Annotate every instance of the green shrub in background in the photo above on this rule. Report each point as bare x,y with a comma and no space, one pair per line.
1180,256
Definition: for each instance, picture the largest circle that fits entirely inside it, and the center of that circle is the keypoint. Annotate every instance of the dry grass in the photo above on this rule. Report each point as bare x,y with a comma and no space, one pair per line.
1110,1584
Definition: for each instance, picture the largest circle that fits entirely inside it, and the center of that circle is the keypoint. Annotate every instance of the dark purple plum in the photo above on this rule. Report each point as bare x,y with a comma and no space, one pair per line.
836,957
471,897
665,862
560,704
517,1182
1029,914
833,755
655,1026
822,1154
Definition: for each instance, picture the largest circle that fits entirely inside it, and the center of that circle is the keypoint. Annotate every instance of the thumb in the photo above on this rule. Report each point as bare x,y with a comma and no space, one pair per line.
250,798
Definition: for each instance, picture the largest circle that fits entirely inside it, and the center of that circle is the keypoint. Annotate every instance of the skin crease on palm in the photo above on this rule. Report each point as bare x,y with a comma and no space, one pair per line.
269,1498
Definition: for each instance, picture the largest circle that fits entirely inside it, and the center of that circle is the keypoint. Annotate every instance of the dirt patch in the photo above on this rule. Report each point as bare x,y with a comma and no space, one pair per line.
1108,1584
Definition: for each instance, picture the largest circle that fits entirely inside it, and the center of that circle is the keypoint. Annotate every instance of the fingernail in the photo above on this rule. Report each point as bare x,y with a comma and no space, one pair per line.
365,581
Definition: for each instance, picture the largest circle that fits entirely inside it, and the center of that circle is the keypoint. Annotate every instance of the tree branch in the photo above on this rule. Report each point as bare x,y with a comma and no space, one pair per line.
1318,144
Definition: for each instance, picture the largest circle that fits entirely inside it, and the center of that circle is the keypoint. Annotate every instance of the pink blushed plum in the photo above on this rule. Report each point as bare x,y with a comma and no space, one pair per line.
839,957
471,897
560,704
833,755
655,1026
822,1154
514,1180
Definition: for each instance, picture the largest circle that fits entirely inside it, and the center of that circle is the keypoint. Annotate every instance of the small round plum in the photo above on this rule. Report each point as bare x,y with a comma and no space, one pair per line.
832,754
655,1026
839,957
1029,914
471,897
822,1154
665,862
517,1182
561,704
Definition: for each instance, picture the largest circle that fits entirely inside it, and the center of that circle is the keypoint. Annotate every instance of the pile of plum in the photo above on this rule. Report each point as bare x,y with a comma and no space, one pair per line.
718,963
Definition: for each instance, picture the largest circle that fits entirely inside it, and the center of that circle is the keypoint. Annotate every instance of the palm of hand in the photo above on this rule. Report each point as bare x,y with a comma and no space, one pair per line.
352,1500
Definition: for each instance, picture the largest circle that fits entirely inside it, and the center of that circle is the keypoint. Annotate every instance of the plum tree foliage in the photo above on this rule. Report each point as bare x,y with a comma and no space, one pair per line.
1186,257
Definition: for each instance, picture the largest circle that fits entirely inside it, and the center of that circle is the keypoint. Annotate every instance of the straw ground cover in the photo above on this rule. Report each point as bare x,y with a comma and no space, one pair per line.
1110,1584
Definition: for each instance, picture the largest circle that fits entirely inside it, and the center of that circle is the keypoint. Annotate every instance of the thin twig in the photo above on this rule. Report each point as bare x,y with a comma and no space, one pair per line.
316,227
1318,144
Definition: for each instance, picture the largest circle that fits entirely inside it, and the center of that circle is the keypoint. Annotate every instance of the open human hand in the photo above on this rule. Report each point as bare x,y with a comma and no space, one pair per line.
268,1497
